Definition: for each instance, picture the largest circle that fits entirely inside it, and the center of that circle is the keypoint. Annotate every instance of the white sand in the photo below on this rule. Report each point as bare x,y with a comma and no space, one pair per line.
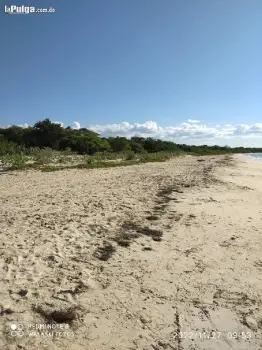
204,276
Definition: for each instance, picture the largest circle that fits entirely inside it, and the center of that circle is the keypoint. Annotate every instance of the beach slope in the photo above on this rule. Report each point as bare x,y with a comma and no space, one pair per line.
153,256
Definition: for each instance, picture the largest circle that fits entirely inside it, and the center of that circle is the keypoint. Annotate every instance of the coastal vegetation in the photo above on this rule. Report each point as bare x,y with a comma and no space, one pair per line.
49,146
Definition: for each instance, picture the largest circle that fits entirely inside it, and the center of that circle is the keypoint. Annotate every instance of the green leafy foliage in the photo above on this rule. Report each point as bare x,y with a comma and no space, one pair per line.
14,162
46,143
119,144
43,156
130,155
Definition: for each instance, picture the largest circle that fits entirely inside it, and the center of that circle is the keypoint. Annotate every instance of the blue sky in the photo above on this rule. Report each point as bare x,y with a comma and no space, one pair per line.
137,66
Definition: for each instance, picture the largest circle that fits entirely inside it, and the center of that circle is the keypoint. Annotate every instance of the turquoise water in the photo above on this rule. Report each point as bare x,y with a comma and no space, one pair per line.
255,155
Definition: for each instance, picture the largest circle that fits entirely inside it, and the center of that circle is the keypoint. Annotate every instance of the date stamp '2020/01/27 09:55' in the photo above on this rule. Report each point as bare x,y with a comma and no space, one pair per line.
212,335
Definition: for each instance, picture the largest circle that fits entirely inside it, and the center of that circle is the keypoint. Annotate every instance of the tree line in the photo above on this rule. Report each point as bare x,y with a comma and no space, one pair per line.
84,141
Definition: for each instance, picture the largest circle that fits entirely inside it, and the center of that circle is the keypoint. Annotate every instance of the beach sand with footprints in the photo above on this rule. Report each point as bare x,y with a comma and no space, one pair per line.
150,257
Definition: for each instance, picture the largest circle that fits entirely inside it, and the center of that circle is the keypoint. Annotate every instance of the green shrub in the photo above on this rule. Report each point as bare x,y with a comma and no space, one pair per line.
89,160
67,151
7,148
129,155
145,157
43,156
99,155
32,151
15,161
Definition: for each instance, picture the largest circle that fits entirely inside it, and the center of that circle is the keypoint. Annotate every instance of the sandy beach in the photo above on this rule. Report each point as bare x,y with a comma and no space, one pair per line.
152,256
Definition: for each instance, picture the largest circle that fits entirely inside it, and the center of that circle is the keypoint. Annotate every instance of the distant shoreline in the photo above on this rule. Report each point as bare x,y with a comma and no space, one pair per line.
254,156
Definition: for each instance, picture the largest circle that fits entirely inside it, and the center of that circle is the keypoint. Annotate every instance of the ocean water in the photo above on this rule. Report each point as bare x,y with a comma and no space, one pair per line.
257,156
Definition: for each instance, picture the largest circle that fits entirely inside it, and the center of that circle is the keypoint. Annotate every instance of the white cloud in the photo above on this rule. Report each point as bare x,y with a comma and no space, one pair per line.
62,124
151,128
187,132
76,125
25,125
194,133
193,121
